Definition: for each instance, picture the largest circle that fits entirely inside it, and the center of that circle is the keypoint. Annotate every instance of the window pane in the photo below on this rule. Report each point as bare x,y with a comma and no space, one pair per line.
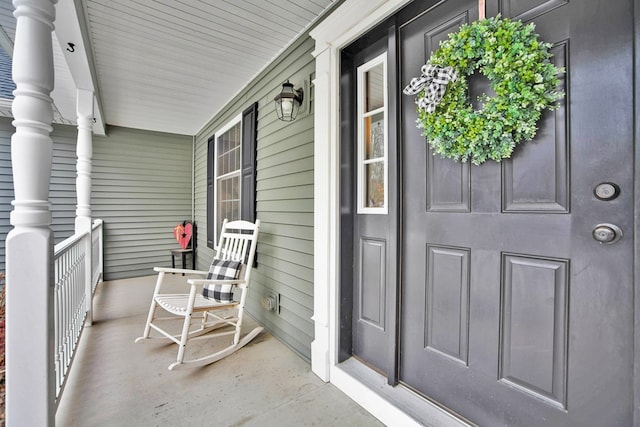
228,151
374,79
228,200
228,175
374,185
374,136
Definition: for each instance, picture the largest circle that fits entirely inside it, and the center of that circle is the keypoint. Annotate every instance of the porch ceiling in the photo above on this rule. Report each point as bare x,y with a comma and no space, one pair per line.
167,65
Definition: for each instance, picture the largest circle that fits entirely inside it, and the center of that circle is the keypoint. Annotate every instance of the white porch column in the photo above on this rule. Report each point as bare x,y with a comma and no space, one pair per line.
84,152
29,245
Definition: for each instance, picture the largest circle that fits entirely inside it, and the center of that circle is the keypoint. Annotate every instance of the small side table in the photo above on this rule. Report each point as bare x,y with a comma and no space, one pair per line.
182,253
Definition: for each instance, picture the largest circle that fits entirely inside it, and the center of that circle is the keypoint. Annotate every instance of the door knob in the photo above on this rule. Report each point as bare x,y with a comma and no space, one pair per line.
607,233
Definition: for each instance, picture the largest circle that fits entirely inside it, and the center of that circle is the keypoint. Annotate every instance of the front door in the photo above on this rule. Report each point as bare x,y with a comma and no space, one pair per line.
512,313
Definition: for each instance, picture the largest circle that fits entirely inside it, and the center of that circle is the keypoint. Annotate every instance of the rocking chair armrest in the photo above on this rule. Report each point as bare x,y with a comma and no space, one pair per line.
204,282
179,270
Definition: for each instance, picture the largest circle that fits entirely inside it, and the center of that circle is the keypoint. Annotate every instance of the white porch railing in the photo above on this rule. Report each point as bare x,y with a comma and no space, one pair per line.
78,263
97,259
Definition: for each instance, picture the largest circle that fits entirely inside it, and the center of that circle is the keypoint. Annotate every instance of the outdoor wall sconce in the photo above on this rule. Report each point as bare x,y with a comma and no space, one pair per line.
288,102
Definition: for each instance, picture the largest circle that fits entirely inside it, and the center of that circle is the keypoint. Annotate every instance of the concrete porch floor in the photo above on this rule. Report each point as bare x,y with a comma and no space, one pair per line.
115,382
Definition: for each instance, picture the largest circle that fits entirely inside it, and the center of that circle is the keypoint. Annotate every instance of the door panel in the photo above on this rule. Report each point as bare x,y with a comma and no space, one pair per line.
447,186
537,180
372,284
534,327
447,311
512,314
527,10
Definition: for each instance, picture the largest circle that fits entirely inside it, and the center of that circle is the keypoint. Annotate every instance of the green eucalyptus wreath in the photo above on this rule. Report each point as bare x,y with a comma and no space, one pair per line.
524,80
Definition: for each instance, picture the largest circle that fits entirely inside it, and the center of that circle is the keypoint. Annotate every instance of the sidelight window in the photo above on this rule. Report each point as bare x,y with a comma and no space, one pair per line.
372,136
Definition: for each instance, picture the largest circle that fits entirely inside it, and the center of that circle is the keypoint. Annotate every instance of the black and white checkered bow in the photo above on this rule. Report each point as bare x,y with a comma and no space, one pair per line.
434,81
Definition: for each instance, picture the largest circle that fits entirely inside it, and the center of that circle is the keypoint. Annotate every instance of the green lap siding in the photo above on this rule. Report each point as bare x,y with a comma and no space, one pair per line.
284,199
141,188
62,189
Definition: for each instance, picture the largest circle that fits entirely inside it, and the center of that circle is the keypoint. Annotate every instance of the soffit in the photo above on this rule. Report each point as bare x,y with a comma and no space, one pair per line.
170,65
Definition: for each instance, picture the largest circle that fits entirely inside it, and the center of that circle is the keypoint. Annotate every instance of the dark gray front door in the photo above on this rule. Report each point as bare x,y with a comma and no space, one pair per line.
512,313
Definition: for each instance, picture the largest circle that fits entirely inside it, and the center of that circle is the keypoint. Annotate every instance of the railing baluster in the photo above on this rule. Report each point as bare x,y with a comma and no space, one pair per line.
71,293
57,323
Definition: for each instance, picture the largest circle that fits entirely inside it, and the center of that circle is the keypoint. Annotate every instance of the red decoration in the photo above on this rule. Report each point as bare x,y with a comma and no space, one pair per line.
183,234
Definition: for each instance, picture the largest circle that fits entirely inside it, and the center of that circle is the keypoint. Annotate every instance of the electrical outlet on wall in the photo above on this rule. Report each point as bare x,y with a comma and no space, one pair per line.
270,301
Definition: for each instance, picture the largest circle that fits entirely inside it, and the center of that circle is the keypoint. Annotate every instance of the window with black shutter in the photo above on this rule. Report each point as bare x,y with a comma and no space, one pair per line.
231,173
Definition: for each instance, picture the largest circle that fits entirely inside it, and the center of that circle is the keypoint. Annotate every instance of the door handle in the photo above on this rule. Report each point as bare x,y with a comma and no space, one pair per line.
607,233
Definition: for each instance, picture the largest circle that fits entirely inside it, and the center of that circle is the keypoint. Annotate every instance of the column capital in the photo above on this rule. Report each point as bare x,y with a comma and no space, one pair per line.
42,10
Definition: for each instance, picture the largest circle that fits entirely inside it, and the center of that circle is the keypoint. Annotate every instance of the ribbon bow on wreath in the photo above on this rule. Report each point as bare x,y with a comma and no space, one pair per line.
434,81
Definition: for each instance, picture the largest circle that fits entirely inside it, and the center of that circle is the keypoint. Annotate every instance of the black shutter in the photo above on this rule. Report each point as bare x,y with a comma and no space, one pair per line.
211,201
248,167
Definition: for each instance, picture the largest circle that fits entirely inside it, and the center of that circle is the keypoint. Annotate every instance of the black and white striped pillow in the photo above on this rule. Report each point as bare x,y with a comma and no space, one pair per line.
222,270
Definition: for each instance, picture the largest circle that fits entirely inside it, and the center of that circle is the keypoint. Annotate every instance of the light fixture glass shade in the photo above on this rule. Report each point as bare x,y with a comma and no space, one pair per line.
288,102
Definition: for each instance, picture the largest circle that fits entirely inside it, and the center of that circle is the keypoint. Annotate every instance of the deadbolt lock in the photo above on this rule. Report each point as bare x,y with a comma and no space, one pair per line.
606,191
607,233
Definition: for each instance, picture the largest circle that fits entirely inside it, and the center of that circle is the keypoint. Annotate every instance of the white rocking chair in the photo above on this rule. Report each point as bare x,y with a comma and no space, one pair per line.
234,258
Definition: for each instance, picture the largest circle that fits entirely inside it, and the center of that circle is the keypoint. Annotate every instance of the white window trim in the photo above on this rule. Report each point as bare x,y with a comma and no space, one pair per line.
361,115
231,123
